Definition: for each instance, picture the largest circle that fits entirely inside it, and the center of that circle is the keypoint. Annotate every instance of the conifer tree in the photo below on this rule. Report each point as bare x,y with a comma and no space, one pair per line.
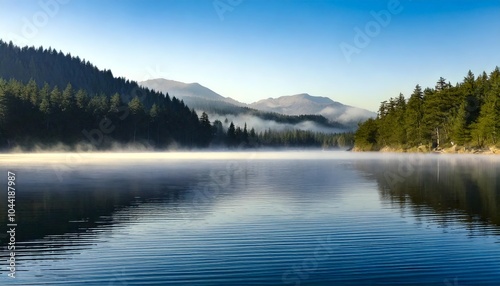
460,129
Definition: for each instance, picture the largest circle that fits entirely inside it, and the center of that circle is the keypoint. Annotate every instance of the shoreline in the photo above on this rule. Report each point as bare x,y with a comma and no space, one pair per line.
426,150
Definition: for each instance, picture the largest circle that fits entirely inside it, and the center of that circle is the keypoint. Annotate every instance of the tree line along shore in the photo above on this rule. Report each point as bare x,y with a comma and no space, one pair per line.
459,118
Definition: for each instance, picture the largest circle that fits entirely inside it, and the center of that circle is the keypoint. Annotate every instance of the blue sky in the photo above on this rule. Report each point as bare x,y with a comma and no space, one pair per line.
255,49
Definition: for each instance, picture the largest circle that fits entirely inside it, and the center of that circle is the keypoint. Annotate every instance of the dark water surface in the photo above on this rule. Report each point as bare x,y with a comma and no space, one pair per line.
284,218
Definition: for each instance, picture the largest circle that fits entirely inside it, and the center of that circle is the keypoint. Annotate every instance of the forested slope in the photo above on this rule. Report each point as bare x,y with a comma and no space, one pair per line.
466,114
48,98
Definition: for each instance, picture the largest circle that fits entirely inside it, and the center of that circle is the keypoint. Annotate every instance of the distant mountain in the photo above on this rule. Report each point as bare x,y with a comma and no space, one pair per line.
325,109
46,104
202,98
307,104
187,91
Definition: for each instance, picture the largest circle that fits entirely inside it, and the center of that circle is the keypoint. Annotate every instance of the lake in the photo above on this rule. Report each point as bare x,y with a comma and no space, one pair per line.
253,218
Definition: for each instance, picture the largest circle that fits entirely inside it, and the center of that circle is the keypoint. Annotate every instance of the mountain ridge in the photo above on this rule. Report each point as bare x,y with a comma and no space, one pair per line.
181,89
305,103
298,104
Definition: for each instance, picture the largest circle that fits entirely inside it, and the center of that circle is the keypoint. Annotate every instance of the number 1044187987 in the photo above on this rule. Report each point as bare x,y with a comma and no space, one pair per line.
11,196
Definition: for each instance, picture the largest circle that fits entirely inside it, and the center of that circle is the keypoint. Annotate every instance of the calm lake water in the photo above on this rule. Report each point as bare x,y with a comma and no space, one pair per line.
267,218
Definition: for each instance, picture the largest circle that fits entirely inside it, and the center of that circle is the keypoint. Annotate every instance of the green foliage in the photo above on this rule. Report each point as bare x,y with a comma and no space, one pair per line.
95,107
301,139
115,102
135,106
391,115
414,117
67,100
467,114
291,138
460,128
67,116
367,135
82,99
206,131
488,125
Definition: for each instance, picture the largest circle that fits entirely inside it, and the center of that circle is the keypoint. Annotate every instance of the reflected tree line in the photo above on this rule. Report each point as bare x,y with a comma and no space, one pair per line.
69,209
447,186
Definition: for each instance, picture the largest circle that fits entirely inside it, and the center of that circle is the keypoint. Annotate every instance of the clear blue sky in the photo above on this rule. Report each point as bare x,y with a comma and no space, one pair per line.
268,48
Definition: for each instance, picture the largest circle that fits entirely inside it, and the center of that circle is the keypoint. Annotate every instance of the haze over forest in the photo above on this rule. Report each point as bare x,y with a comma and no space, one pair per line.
43,105
248,75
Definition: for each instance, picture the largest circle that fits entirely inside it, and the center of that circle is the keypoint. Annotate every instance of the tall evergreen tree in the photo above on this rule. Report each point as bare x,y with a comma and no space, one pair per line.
441,84
82,99
231,134
206,130
45,106
466,114
154,115
67,99
460,131
414,117
488,126
245,134
136,109
115,102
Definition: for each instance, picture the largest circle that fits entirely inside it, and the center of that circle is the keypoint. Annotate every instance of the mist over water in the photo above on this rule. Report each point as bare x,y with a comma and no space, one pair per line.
254,218
261,125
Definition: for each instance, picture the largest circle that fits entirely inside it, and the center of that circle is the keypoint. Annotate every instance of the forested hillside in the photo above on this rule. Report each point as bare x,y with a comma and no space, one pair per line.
466,114
58,69
47,98
206,100
30,115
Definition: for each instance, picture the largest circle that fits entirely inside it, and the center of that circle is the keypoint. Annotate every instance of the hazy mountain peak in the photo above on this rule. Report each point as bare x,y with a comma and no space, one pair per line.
305,103
316,99
186,90
297,100
298,104
159,81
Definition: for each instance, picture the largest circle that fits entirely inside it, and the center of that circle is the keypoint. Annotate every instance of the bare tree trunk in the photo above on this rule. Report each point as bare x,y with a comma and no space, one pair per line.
437,134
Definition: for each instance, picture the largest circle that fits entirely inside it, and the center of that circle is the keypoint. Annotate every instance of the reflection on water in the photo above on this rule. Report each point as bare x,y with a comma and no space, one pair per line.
441,188
281,218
